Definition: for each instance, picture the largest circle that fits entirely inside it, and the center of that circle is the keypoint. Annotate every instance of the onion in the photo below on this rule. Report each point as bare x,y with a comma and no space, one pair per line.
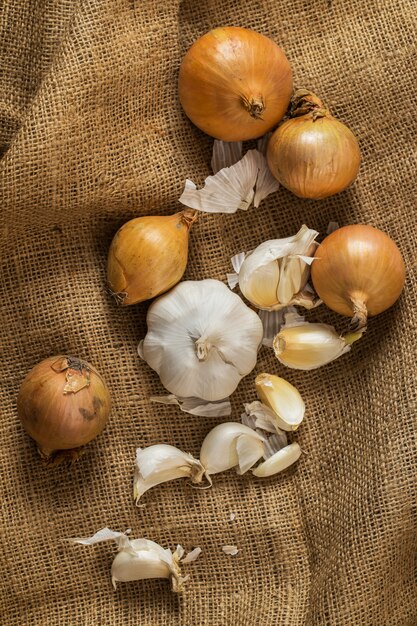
148,256
235,84
358,270
313,154
63,403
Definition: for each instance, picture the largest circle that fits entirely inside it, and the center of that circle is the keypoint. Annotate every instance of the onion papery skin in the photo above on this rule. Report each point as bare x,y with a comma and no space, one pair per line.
148,256
314,158
358,270
235,84
60,420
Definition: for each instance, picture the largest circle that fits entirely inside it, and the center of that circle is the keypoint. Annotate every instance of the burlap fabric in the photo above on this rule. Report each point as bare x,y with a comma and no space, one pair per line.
95,136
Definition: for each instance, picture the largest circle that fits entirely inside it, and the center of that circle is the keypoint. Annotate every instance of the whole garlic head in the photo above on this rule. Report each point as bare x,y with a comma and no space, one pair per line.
202,339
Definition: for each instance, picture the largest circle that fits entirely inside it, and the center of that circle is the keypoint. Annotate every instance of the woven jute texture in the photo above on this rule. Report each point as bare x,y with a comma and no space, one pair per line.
93,134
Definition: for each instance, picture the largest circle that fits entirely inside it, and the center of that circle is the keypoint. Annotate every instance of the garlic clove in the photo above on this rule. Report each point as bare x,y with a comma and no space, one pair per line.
283,398
161,463
248,451
138,559
223,448
144,563
279,461
285,264
308,346
259,285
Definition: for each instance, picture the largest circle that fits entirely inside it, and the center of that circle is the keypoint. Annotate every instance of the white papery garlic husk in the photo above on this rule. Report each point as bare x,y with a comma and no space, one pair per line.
202,340
231,445
306,346
275,274
138,559
282,398
197,406
237,186
161,463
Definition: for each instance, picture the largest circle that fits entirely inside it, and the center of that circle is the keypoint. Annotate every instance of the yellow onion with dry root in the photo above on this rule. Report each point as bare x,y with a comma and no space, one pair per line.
358,271
235,84
313,154
63,403
148,256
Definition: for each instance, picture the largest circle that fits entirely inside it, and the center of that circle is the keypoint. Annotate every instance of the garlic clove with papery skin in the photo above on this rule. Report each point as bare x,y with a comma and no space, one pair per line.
161,463
283,398
138,559
275,274
307,346
231,445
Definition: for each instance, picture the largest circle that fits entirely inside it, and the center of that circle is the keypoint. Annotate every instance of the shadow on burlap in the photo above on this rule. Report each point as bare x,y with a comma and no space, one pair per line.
89,108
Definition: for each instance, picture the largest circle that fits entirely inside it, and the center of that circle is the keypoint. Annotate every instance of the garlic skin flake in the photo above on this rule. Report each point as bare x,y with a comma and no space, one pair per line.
160,463
197,406
202,340
279,461
138,559
231,550
232,187
275,274
307,346
282,398
231,445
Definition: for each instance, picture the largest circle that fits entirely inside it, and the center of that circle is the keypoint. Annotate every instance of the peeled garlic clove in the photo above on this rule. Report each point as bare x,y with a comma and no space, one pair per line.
283,398
160,463
231,445
307,346
278,461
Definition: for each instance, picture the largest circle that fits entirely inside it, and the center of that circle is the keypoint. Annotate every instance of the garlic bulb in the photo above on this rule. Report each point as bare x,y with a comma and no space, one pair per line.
275,274
161,463
201,340
305,346
283,398
231,445
279,461
138,559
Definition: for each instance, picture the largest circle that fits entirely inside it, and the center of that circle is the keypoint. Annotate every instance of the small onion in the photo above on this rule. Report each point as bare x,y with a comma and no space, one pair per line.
148,256
235,84
358,270
63,403
312,154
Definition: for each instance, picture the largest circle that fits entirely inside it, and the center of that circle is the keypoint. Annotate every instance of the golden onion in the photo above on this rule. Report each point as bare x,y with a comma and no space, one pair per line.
312,154
235,84
63,403
358,271
148,256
